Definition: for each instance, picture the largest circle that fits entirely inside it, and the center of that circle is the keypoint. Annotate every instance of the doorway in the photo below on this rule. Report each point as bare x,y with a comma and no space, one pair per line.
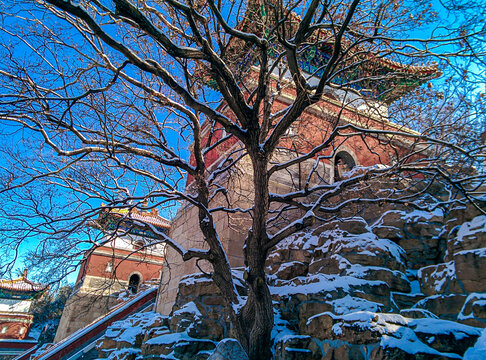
133,283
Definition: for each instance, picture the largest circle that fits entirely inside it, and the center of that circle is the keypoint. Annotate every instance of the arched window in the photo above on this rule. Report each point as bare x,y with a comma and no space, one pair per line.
133,283
343,162
138,244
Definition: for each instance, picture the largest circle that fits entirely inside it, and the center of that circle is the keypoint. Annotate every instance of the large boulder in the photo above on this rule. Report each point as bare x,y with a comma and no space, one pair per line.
419,233
333,292
229,349
291,270
439,279
364,249
297,347
186,316
467,236
444,306
470,265
396,280
445,336
391,336
474,310
406,301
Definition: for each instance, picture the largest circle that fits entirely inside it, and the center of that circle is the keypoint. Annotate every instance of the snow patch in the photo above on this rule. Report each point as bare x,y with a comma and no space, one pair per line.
478,351
477,252
316,283
349,304
189,307
439,326
471,228
421,215
473,298
440,275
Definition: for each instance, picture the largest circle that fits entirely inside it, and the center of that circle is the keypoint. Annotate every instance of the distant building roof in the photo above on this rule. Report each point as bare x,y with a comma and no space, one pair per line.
132,220
20,285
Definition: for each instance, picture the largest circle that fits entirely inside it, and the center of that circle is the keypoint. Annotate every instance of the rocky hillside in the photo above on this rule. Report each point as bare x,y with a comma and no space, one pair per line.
402,284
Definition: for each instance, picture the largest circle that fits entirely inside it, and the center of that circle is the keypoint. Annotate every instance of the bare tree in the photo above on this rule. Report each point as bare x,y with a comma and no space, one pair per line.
101,99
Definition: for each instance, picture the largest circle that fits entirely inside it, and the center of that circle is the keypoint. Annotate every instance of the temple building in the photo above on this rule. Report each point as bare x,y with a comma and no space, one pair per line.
16,298
125,260
375,82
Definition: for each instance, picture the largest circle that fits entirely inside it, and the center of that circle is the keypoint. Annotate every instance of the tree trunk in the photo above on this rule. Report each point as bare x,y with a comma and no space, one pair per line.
258,312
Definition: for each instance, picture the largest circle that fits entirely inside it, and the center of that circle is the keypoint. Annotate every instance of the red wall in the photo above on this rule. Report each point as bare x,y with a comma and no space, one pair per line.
14,323
314,128
95,265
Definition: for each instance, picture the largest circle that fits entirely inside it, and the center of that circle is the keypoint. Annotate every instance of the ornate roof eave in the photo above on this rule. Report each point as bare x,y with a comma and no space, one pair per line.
131,220
405,77
21,287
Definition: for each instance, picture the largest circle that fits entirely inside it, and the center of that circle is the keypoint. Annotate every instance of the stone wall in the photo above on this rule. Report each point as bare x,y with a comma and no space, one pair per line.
351,289
81,309
185,230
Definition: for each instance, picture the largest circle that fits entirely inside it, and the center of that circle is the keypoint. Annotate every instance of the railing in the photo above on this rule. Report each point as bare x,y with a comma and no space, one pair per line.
75,344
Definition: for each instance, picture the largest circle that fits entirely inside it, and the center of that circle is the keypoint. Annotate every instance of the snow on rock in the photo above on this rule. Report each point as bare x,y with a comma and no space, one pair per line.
322,283
470,235
440,327
229,349
412,336
470,265
189,307
176,345
281,328
124,353
396,280
398,218
474,310
478,351
445,306
168,338
439,279
364,249
130,332
445,336
292,269
301,240
409,344
297,347
349,304
418,314
414,216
